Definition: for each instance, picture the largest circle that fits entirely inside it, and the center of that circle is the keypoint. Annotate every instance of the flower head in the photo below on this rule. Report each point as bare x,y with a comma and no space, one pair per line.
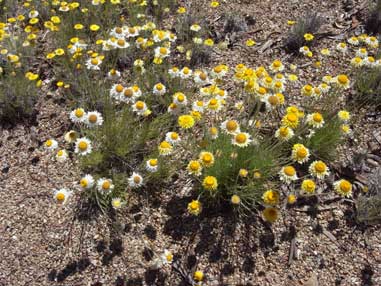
288,174
61,196
135,180
242,139
186,121
83,146
194,207
319,169
343,187
87,182
210,183
270,214
270,197
105,185
300,153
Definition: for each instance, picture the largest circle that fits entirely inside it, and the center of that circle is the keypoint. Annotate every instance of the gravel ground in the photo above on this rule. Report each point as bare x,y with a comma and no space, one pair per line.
45,244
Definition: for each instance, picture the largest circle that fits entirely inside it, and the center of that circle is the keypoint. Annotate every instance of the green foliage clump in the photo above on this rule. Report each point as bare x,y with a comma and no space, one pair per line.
368,87
373,22
18,97
295,38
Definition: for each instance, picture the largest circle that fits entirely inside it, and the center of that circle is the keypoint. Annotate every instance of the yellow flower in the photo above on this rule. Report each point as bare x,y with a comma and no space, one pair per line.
291,199
250,43
198,276
206,159
308,186
343,187
270,214
186,121
290,120
270,197
94,27
194,167
235,199
78,26
181,10
214,4
308,37
291,22
194,207
209,42
210,183
165,148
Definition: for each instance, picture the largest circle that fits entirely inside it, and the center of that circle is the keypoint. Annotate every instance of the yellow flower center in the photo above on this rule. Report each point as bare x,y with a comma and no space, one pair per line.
289,171
207,158
174,136
231,125
193,205
94,62
48,143
60,197
277,64
165,145
82,145
119,30
83,183
128,93
343,79
194,166
93,118
202,76
345,186
121,42
180,98
60,153
209,181
153,162
283,131
292,118
131,30
317,117
159,86
301,153
241,138
163,51
139,105
119,88
218,69
320,167
137,179
79,113
273,100
106,185
213,101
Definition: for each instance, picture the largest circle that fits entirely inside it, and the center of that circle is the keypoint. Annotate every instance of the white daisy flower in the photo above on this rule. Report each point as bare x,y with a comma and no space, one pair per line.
77,115
162,52
172,137
113,74
198,106
230,127
83,146
159,89
117,203
195,28
242,139
140,107
105,185
174,72
186,73
152,165
315,120
51,144
116,91
61,155
93,119
62,195
94,63
87,182
135,180
288,174
284,133
179,98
